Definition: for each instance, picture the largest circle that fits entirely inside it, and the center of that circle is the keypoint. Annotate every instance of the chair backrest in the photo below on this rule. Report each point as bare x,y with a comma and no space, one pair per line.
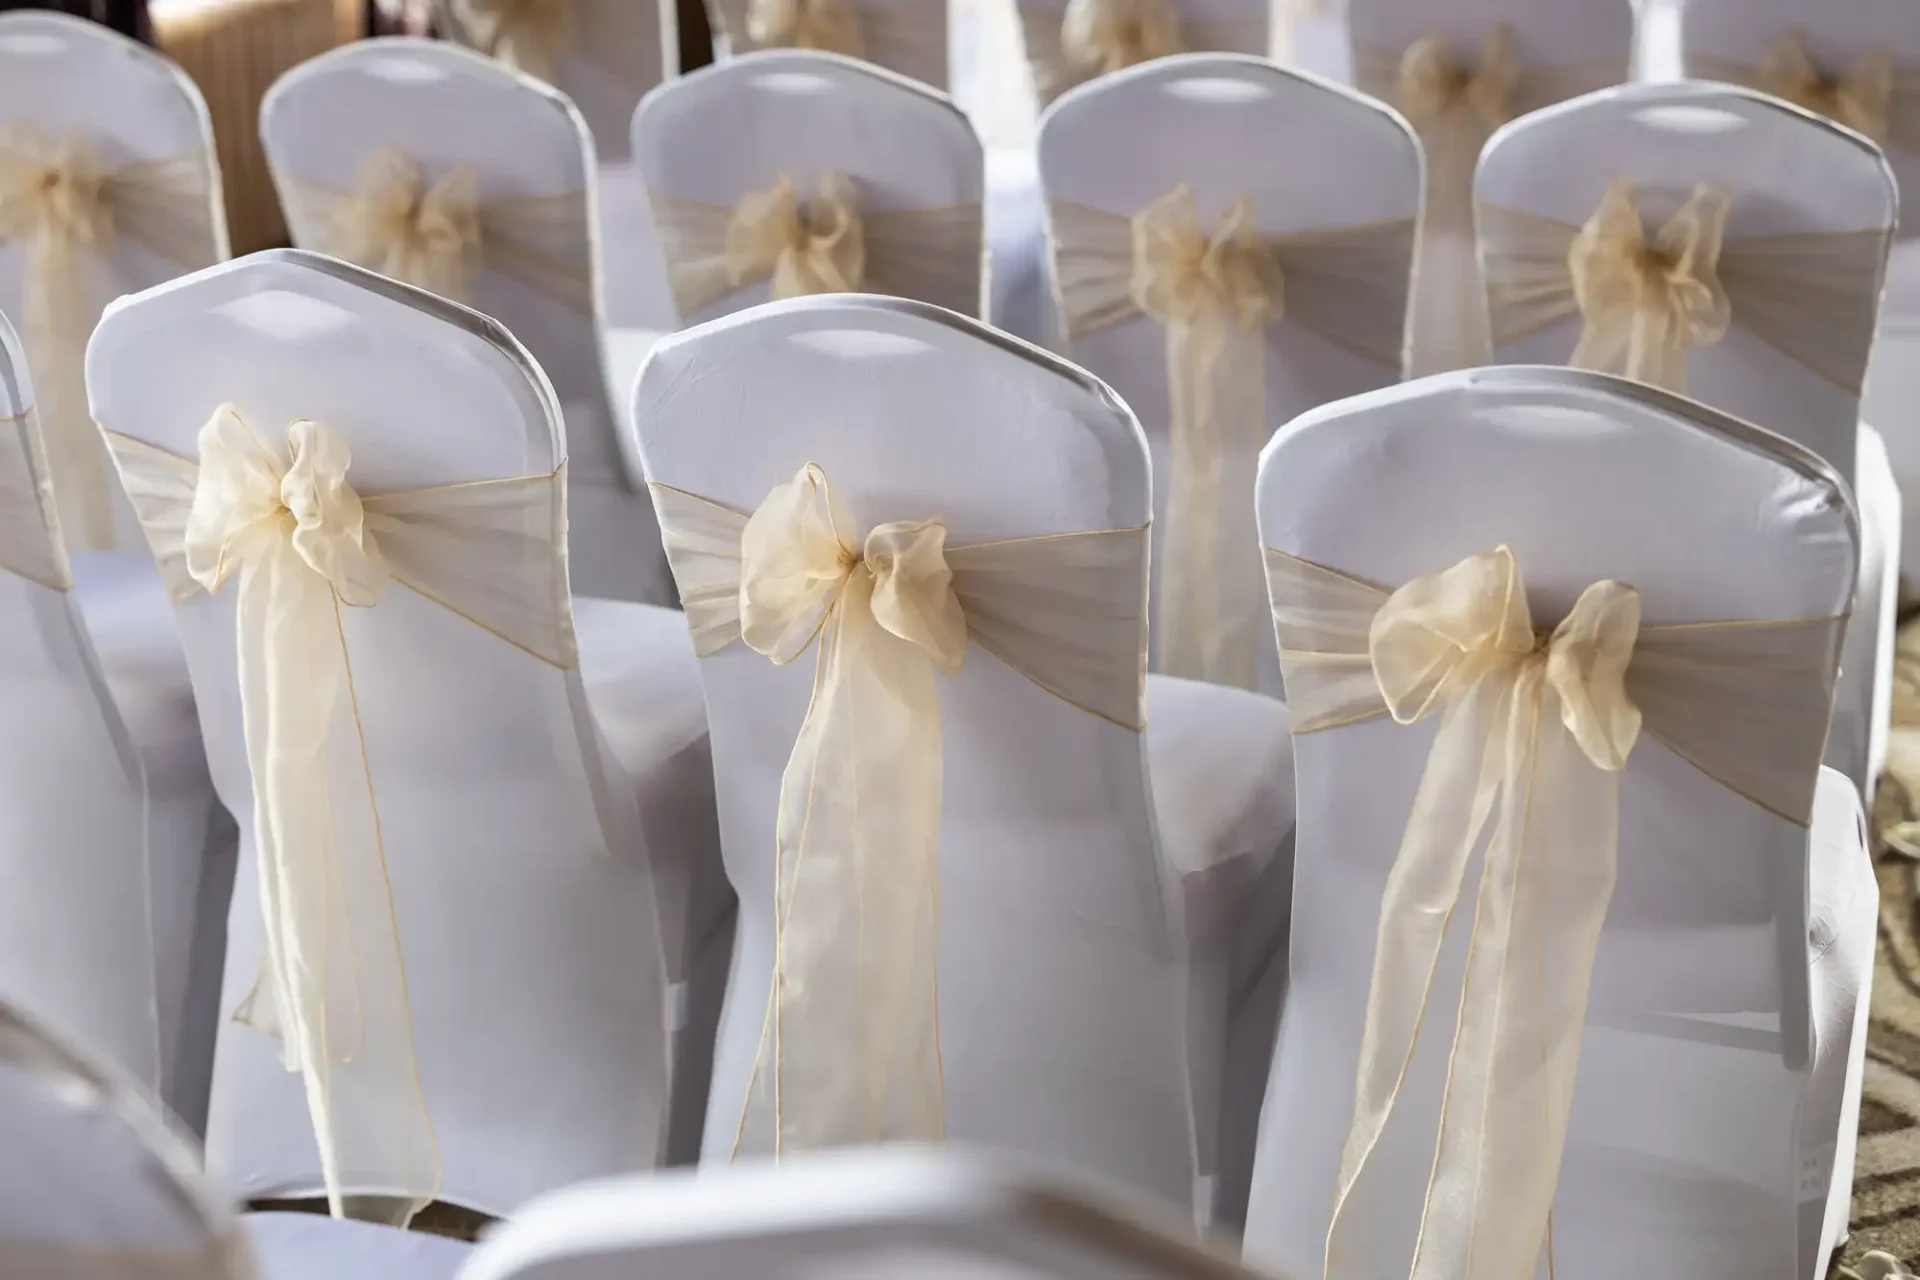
1697,1037
517,894
850,1213
1799,189
93,1181
449,109
75,946
1052,911
908,37
1558,49
1104,32
707,140
1231,127
145,127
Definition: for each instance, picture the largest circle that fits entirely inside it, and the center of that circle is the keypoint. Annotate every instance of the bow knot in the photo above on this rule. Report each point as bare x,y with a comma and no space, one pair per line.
245,498
1109,35
528,35
1180,273
1647,303
1858,97
1438,637
800,248
830,25
51,189
1433,83
419,234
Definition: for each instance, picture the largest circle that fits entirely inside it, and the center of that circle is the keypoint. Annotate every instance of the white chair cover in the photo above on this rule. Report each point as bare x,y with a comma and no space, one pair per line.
122,138
882,180
1789,219
1069,42
1062,985
1458,70
305,1246
435,165
1330,263
389,921
94,1184
908,37
898,1212
1706,1104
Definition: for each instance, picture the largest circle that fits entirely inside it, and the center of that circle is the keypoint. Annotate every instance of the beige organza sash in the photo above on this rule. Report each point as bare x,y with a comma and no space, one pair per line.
1871,95
1646,300
851,1052
441,235
1071,44
1534,731
228,1258
907,36
820,243
65,207
536,36
30,545
1220,296
302,544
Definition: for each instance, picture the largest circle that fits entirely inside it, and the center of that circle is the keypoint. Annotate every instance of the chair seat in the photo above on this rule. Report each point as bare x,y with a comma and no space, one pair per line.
306,1246
124,603
643,681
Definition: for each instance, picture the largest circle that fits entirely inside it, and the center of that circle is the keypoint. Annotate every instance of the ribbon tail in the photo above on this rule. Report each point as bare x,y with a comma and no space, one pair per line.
58,323
1188,594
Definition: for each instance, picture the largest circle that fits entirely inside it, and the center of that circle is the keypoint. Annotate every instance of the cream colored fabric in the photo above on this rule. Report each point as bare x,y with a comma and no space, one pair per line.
528,35
30,544
831,25
301,544
65,206
230,1258
907,36
1646,301
1219,294
822,243
1087,38
1534,731
1870,95
851,1050
440,235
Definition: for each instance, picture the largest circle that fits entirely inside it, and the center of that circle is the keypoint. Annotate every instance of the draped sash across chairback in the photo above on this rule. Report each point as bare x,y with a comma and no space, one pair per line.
537,36
1221,296
1069,45
907,36
1535,730
1870,95
299,545
819,243
439,234
850,1052
66,207
1644,300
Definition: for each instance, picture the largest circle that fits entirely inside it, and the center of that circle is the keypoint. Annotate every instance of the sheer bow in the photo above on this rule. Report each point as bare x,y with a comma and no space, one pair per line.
799,248
1647,304
1434,85
528,35
1859,97
1109,35
424,235
832,25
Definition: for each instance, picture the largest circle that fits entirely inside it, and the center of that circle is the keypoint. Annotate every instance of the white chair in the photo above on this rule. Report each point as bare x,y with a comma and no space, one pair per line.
1808,213
1723,1011
798,172
894,1212
93,1182
908,37
108,826
305,1246
1069,42
108,183
1326,265
476,798
1080,1010
438,166
1458,69
604,55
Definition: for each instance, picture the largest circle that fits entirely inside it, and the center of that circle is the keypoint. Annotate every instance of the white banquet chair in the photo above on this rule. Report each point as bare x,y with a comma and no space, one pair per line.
446,170
1069,42
907,37
1668,805
447,961
112,846
604,55
1786,219
795,172
1458,70
894,1212
1146,173
1080,1006
108,182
